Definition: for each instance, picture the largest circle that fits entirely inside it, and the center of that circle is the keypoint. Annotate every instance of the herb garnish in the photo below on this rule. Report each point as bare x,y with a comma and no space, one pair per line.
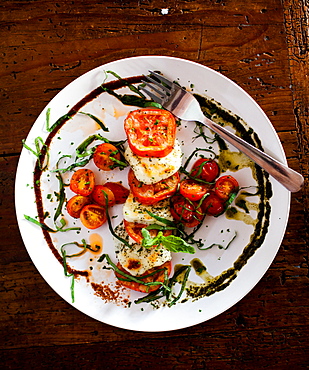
171,242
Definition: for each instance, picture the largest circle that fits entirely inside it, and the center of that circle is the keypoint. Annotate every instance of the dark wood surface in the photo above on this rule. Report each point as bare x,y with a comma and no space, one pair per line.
262,45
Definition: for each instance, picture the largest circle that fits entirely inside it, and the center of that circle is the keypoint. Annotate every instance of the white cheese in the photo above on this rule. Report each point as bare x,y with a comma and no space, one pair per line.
137,259
150,170
134,211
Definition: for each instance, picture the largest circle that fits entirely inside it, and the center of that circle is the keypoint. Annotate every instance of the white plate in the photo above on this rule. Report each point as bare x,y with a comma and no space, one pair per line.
144,317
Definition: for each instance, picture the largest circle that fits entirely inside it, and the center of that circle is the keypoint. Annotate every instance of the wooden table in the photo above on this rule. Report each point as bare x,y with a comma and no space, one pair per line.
262,45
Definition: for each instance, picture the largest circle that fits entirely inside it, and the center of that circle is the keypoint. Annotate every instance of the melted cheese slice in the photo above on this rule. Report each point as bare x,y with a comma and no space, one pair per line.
137,259
134,211
150,170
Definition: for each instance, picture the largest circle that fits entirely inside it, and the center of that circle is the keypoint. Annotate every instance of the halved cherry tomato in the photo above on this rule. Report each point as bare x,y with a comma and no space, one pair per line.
76,204
153,193
120,192
225,186
103,156
140,287
98,195
192,190
150,132
213,205
188,213
205,169
82,182
134,230
93,216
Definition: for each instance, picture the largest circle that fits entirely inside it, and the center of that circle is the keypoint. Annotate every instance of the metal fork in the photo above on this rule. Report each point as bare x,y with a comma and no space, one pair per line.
185,106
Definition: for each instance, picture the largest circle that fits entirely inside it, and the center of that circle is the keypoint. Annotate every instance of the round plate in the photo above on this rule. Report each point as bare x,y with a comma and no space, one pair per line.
99,296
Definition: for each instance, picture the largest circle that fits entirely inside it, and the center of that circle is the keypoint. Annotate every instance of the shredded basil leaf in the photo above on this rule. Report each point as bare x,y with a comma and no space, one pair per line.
171,242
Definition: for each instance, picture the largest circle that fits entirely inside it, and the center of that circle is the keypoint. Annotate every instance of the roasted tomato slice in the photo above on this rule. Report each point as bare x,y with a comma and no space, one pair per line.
105,156
225,186
98,195
213,205
93,216
205,169
120,192
153,193
141,287
76,204
185,211
82,182
150,132
134,230
192,190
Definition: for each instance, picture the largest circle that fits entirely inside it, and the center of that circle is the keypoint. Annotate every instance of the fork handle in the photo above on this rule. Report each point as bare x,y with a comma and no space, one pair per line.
289,178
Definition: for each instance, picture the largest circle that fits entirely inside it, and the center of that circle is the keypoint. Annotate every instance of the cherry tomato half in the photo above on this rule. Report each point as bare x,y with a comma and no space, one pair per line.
134,230
150,132
192,190
76,204
213,205
150,194
140,287
82,182
205,169
225,186
120,192
185,211
103,156
93,216
98,195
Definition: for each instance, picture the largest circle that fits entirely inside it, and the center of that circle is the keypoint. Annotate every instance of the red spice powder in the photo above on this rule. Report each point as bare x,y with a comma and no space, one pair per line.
116,293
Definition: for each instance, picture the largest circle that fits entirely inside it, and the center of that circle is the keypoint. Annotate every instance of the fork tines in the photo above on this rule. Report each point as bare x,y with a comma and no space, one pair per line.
154,89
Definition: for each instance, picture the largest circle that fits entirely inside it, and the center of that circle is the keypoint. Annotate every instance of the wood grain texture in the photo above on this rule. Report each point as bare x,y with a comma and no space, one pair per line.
262,45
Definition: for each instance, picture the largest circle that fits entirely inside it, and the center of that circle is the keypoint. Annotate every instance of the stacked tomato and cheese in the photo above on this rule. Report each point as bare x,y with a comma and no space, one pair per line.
154,155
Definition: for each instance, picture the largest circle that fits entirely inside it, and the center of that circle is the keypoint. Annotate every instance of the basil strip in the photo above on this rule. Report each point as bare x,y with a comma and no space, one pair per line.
38,151
58,122
195,151
80,150
84,247
110,226
72,166
61,197
42,225
130,86
220,246
63,223
161,219
63,252
183,285
97,120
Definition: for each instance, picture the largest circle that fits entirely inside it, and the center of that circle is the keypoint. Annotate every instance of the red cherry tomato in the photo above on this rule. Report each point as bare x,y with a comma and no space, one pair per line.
82,182
76,204
140,287
192,190
150,132
98,195
103,156
151,194
185,211
213,205
120,192
205,169
134,230
93,216
225,186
